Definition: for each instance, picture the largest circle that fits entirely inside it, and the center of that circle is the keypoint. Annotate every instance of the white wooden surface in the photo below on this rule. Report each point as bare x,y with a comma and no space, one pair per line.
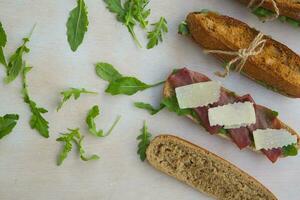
28,168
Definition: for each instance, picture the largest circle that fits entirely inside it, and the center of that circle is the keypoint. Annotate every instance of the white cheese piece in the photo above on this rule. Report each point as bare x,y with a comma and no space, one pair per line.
273,138
232,115
198,94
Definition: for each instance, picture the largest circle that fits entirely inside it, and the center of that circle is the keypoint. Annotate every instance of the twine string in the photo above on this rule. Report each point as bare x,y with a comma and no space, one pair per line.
276,9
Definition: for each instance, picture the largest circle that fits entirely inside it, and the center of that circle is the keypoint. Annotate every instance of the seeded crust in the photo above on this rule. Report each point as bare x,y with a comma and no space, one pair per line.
276,66
289,8
168,91
203,170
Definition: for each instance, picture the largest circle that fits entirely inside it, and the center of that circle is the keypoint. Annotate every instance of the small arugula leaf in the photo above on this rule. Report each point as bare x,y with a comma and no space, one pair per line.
3,40
16,62
7,124
90,121
172,104
72,92
144,138
124,14
107,72
140,13
37,121
149,107
73,136
156,34
183,28
290,150
77,25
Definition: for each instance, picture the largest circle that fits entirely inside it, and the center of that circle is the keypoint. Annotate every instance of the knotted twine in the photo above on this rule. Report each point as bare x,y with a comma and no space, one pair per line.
242,55
276,9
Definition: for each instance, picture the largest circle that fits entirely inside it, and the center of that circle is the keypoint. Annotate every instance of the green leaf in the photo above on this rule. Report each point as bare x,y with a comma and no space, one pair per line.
116,7
77,25
223,131
172,105
149,107
72,92
37,121
82,151
140,13
2,57
15,62
144,138
156,34
7,124
126,85
290,150
183,28
107,72
90,121
3,38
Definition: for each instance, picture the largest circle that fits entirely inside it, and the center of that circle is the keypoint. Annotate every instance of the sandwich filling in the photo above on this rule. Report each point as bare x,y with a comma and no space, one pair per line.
243,136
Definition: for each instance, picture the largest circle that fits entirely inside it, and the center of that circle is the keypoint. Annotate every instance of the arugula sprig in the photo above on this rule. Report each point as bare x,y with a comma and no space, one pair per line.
145,138
290,150
7,124
72,92
119,84
156,34
183,28
37,121
151,109
3,40
90,121
77,25
16,62
70,138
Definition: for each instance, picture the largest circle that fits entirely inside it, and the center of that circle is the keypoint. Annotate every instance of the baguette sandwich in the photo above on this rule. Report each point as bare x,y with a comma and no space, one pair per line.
258,128
269,63
288,10
203,170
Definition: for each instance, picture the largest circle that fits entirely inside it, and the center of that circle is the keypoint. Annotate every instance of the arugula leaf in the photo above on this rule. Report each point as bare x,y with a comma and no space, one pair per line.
72,136
155,35
183,28
16,62
107,72
172,105
144,138
140,13
72,92
124,15
149,107
77,25
37,121
90,121
7,123
290,150
3,40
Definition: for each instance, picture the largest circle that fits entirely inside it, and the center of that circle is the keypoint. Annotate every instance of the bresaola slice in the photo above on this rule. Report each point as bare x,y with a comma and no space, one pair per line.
265,117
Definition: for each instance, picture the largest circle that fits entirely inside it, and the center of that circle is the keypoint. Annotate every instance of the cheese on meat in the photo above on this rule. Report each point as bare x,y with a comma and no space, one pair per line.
232,115
273,138
198,94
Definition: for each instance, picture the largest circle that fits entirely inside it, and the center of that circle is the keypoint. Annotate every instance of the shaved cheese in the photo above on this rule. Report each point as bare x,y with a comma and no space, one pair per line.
232,115
273,138
198,94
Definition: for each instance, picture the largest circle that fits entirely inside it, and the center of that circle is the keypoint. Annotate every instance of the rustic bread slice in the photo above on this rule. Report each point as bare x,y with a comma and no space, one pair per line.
168,91
289,8
203,170
276,66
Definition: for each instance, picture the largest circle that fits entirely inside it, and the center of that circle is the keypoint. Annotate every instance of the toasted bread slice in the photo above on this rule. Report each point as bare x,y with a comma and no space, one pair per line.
203,170
276,67
168,91
289,8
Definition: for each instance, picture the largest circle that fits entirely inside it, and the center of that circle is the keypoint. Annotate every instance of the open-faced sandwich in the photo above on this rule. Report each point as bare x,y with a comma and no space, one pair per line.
224,113
203,170
246,50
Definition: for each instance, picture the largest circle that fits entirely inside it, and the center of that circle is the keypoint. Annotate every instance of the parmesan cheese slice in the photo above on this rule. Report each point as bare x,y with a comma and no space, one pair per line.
232,115
198,94
273,138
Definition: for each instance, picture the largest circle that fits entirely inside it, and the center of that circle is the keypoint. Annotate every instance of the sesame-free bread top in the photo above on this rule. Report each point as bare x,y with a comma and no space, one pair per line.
289,8
203,170
276,67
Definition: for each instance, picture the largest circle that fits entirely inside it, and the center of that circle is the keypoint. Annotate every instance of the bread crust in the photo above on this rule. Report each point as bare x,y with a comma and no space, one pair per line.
276,66
217,162
289,8
168,91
